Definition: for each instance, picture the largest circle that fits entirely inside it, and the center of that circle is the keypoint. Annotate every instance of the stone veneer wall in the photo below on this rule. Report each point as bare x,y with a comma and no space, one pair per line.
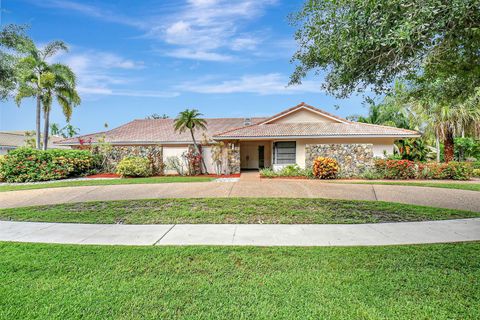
114,154
234,157
352,158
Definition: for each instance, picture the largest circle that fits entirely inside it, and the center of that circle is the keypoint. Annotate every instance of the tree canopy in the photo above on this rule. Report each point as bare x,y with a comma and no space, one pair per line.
368,44
13,40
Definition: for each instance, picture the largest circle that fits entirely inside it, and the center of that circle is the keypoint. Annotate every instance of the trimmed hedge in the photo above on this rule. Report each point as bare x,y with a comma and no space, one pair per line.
406,169
28,165
134,167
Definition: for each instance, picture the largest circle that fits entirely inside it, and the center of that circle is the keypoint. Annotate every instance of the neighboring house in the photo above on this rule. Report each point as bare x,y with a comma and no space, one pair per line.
294,136
10,140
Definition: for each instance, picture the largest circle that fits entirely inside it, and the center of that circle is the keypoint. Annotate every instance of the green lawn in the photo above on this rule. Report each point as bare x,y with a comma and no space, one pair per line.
232,210
42,281
99,182
448,185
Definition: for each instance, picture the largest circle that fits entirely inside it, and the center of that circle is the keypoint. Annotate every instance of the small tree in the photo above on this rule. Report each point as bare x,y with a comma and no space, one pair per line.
191,120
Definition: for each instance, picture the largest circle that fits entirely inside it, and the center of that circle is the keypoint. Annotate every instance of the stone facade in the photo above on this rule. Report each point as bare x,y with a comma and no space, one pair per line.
234,157
111,156
352,158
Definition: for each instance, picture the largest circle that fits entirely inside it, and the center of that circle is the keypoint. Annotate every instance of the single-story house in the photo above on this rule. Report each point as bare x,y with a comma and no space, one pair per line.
10,140
293,136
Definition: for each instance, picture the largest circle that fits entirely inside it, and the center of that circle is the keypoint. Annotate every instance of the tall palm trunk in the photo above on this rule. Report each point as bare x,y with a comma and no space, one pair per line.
197,149
46,126
448,144
39,108
437,146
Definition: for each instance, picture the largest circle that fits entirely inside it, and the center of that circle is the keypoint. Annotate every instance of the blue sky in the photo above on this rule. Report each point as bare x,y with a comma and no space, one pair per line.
227,58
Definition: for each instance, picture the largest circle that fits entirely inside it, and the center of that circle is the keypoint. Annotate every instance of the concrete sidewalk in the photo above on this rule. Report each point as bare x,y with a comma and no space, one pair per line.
245,234
435,197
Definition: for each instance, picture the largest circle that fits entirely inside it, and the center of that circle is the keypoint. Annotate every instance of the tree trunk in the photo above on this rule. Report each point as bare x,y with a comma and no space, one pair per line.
437,145
197,149
448,145
39,109
46,125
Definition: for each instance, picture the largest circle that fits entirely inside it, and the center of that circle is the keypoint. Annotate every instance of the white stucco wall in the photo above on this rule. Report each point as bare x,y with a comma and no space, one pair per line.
178,150
173,151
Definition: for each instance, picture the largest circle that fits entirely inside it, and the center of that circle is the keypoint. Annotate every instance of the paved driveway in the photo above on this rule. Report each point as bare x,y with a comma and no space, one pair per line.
436,197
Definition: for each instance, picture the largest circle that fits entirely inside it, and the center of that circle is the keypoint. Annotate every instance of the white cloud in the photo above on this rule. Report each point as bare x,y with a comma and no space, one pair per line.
127,93
198,55
91,11
211,28
246,43
263,84
102,73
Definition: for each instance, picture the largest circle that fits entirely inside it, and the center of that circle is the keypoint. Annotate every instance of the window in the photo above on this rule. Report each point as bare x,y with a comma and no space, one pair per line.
284,152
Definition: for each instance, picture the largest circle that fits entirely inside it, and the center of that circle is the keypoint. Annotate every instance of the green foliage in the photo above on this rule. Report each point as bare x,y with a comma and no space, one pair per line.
406,169
371,43
458,170
134,167
476,173
291,170
467,148
415,150
191,120
27,164
12,38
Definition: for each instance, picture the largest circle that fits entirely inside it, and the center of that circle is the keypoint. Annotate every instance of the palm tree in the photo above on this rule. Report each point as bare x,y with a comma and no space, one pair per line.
61,86
69,131
42,81
191,120
447,121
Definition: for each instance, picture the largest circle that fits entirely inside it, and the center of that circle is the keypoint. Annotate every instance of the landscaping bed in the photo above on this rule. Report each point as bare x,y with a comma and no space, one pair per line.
42,281
232,210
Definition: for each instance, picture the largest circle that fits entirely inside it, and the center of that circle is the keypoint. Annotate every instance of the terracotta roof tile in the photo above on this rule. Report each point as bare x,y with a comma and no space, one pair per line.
158,131
322,129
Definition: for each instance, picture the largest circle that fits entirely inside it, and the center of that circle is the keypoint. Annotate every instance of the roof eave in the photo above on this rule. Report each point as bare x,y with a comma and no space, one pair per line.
317,137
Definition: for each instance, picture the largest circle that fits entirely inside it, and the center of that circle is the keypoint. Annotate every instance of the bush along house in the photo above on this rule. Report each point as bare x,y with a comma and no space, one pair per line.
294,136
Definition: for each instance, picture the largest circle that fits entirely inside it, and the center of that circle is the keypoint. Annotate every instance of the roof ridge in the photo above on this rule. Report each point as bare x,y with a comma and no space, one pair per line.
306,105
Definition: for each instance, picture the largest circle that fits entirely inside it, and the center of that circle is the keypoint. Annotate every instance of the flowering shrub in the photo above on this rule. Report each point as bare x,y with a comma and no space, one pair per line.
406,169
325,168
194,161
26,164
134,167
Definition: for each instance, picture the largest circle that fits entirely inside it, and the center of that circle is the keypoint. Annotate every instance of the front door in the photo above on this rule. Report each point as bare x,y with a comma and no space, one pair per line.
261,157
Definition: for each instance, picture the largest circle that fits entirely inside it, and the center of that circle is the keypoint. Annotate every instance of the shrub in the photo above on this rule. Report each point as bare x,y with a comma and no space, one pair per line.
458,170
174,163
27,164
134,167
405,169
268,173
371,174
475,173
325,168
291,170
